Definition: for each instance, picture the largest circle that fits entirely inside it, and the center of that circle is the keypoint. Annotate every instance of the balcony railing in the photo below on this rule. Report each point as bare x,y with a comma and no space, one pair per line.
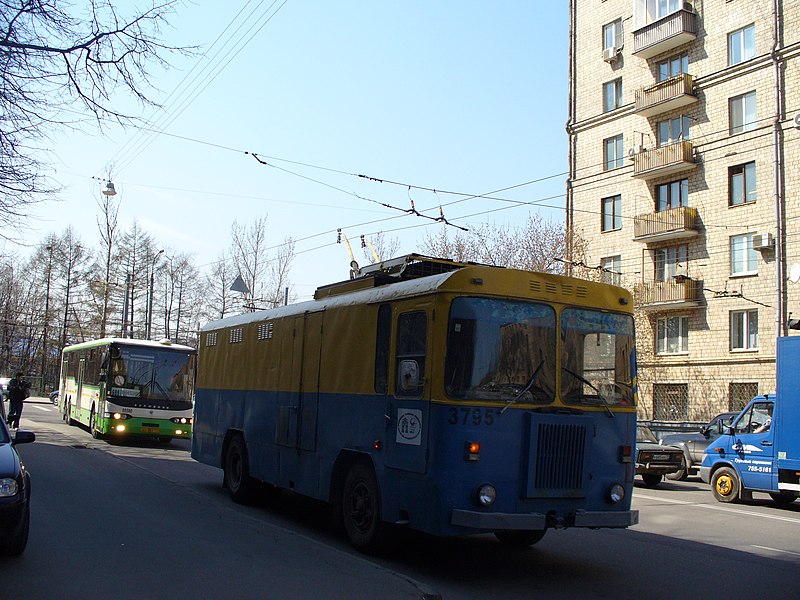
666,160
678,293
665,34
675,223
664,96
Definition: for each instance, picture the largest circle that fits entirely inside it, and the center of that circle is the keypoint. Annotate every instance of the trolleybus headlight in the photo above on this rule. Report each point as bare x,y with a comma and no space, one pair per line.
616,493
181,420
116,416
486,495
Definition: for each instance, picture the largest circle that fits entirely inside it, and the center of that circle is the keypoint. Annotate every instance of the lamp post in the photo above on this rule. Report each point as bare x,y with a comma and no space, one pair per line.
149,327
46,316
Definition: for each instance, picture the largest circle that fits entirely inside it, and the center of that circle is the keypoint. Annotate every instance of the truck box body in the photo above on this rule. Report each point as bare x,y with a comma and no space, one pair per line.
787,420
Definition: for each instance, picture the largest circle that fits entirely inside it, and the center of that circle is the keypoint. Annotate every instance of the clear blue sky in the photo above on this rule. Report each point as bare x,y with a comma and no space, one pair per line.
454,95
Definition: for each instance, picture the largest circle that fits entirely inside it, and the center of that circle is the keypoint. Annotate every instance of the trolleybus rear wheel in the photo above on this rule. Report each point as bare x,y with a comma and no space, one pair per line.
237,471
725,485
361,509
520,539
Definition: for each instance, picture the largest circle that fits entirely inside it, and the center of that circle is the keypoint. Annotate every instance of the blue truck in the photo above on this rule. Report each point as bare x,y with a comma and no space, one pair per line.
760,450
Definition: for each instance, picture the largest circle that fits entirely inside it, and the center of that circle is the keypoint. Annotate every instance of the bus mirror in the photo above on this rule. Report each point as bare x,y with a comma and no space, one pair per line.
102,377
408,375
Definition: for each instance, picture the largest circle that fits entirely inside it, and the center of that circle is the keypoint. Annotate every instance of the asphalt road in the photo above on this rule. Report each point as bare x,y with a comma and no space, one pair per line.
146,521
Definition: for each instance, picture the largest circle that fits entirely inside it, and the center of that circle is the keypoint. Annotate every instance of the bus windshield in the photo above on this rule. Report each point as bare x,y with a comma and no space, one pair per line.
597,357
158,378
501,350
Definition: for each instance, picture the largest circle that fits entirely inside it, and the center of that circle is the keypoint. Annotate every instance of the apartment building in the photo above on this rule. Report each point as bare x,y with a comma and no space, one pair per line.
684,186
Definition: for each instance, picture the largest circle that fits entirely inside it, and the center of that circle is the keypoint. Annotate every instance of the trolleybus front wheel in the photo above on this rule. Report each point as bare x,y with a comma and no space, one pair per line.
236,467
520,539
93,426
361,509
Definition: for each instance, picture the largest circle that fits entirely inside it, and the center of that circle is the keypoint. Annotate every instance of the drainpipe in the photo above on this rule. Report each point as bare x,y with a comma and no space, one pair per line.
778,184
569,199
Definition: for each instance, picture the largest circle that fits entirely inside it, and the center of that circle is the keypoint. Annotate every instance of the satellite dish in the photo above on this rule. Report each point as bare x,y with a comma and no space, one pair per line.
797,120
794,273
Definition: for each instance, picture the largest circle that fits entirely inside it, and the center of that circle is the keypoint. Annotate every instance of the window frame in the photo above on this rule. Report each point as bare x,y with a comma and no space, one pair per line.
615,215
738,42
662,337
679,129
664,269
749,260
741,170
612,269
738,106
616,142
679,185
744,333
615,27
615,85
682,61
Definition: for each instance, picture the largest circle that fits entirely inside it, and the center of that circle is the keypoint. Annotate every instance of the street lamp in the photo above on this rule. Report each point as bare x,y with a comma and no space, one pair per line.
109,190
150,294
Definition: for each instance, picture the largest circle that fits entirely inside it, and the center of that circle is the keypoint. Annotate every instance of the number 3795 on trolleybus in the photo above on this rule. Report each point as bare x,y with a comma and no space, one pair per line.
447,397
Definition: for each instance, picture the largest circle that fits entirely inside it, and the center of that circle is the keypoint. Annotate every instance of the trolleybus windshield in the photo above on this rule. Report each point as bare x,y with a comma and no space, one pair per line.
597,355
159,378
501,350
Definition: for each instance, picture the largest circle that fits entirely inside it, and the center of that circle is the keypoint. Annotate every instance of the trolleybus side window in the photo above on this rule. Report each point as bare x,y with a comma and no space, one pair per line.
412,331
382,340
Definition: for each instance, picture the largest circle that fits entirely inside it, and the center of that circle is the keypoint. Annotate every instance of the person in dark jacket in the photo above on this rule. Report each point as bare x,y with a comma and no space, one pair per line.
17,392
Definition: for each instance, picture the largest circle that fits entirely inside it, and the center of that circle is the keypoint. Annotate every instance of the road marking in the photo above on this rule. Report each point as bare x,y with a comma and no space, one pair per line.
777,550
721,508
44,408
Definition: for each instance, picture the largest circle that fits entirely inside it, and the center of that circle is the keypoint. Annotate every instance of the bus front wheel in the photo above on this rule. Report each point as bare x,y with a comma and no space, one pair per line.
237,471
68,414
520,539
361,509
93,426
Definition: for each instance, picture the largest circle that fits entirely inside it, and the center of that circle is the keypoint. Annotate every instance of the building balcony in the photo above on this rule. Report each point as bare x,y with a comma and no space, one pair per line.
666,160
664,96
672,224
665,34
678,293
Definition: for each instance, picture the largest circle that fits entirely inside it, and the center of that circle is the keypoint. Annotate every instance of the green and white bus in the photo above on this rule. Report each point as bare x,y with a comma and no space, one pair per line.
124,387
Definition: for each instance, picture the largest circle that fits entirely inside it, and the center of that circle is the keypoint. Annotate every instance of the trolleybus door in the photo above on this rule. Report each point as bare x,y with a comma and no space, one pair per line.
79,388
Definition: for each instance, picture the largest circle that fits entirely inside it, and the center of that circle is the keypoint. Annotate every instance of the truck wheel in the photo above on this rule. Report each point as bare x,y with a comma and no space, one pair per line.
361,509
681,475
520,539
651,480
725,485
784,498
236,471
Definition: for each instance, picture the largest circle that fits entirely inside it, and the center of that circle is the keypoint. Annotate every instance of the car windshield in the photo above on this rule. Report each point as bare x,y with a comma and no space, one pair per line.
597,357
643,434
501,350
145,376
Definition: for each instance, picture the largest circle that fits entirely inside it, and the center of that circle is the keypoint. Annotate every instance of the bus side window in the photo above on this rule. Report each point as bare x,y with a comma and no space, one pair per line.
412,331
382,339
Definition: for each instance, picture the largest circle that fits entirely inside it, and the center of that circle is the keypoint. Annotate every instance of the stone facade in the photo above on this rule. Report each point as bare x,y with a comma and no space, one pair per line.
700,351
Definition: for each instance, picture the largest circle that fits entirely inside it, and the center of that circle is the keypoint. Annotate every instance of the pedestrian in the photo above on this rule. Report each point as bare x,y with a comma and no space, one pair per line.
17,392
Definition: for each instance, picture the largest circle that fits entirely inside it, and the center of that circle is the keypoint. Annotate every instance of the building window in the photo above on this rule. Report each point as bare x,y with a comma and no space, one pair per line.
739,394
612,269
742,184
672,194
612,35
744,259
671,401
670,262
744,330
741,45
671,67
612,213
742,112
672,335
612,95
613,153
673,130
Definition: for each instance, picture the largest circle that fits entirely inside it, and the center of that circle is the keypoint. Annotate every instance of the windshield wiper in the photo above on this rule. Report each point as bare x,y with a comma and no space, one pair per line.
589,383
525,389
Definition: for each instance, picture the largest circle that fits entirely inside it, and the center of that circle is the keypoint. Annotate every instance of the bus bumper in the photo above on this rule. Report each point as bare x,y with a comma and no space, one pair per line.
535,521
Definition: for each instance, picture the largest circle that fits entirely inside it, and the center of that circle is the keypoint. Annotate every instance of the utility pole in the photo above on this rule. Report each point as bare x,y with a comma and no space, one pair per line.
149,327
46,316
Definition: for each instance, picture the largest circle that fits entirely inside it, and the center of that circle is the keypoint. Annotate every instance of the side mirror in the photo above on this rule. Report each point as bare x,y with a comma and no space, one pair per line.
23,437
102,377
726,429
408,375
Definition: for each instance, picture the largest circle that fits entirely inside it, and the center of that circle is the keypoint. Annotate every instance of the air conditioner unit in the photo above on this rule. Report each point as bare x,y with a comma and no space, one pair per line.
763,241
634,150
610,54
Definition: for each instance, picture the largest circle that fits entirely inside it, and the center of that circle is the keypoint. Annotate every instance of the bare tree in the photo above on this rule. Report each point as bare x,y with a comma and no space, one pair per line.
107,226
218,297
384,248
56,55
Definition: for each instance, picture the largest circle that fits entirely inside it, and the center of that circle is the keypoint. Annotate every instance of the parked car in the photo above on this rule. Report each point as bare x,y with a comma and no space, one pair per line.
54,397
654,460
4,386
15,492
694,444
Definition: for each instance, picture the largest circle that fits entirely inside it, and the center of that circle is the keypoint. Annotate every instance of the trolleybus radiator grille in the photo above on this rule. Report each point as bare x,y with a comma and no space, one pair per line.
557,456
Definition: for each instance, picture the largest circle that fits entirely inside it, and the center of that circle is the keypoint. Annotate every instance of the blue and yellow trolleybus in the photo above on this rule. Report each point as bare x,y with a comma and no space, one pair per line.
125,388
450,398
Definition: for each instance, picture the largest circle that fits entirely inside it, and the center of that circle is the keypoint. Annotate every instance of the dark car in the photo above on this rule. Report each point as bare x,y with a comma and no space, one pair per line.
15,493
654,460
694,444
54,396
